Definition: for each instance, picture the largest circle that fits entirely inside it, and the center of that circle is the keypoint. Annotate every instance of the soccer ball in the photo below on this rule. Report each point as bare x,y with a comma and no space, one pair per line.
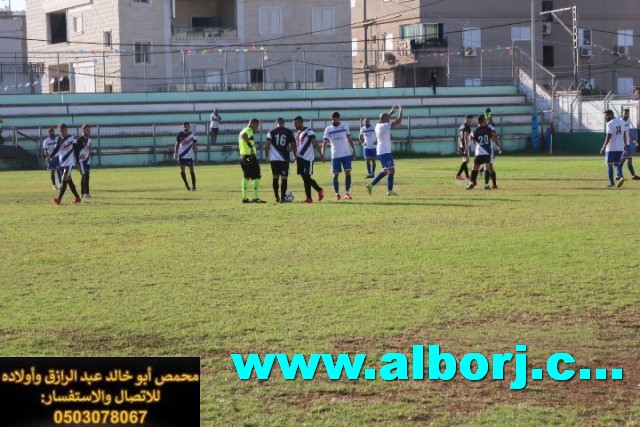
288,196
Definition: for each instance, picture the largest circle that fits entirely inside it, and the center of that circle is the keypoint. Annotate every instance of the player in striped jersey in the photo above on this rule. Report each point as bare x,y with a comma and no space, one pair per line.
306,145
186,153
54,165
280,142
368,140
464,133
83,146
483,136
67,156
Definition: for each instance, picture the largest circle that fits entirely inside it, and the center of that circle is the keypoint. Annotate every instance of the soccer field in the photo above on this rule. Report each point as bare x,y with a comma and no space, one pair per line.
148,269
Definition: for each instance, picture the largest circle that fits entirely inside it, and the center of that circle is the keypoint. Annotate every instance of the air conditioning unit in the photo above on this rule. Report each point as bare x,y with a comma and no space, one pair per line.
469,51
389,58
586,51
621,50
546,28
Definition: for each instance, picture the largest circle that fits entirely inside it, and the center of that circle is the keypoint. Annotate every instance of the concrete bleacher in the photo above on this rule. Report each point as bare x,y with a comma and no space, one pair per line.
140,128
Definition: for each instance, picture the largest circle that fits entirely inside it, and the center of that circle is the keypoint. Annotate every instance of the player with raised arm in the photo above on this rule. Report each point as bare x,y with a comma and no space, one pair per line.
306,145
383,135
186,153
614,145
342,152
280,142
67,157
368,140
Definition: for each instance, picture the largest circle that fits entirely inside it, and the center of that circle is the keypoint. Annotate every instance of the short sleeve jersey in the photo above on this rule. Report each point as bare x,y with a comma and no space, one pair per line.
281,138
338,136
482,136
616,128
383,134
304,142
185,145
368,133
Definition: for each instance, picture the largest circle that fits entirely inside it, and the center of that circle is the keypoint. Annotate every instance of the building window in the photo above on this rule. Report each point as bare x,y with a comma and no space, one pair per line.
204,22
547,56
141,1
584,37
142,53
625,37
256,75
57,27
520,34
546,7
323,21
270,21
77,24
319,76
354,47
353,3
471,38
106,38
422,33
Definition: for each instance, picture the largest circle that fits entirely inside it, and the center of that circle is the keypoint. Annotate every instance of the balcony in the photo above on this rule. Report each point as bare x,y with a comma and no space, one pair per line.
204,36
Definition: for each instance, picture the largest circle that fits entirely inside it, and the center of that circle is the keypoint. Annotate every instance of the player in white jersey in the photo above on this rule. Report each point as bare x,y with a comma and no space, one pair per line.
368,140
614,145
67,156
186,153
306,145
54,165
627,155
83,146
342,151
383,135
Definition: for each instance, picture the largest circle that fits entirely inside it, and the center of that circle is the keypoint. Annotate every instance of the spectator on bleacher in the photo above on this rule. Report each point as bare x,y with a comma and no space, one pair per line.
433,81
214,125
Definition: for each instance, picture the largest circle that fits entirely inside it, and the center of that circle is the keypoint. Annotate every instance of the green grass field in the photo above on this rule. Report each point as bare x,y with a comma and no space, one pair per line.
149,269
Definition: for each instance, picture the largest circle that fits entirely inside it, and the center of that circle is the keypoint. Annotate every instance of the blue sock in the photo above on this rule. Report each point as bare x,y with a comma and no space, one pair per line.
336,185
347,182
378,178
619,169
610,170
390,182
630,166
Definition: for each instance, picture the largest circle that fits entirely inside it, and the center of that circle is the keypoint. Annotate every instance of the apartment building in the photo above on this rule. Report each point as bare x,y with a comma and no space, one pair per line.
16,74
175,45
583,44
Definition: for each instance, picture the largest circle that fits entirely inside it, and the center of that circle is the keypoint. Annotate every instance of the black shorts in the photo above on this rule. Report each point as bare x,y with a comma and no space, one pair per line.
305,167
280,168
481,160
214,131
250,167
84,167
186,162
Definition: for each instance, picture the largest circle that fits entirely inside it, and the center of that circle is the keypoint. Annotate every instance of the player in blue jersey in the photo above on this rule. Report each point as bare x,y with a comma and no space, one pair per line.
280,142
342,152
54,165
186,153
368,140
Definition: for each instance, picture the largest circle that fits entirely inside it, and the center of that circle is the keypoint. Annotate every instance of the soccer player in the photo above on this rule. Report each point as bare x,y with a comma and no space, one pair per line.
280,142
186,153
614,145
496,140
383,135
67,157
83,147
368,140
627,155
54,165
464,133
483,136
249,161
306,144
342,152
214,125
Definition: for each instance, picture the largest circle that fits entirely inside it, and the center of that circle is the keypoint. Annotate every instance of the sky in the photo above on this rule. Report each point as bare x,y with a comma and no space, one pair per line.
15,4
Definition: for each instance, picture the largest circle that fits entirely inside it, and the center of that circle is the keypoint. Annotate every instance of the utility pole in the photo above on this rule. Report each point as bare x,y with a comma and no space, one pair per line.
535,144
365,26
